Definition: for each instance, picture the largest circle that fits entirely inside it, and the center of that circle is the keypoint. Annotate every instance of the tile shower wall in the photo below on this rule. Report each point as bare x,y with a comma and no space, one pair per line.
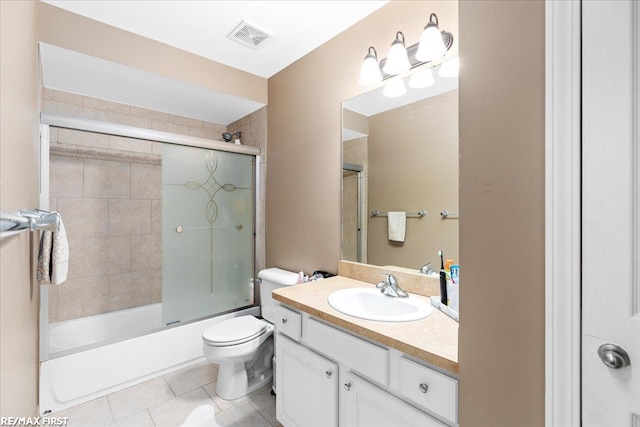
108,190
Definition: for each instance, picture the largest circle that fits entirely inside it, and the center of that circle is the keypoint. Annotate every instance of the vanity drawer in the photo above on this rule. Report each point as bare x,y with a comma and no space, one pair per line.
429,389
288,322
360,355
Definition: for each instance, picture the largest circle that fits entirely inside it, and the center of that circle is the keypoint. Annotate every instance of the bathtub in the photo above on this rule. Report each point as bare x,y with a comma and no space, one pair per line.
70,377
76,333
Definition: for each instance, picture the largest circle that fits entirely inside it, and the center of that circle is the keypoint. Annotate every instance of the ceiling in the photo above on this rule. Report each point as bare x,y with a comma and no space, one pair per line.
201,27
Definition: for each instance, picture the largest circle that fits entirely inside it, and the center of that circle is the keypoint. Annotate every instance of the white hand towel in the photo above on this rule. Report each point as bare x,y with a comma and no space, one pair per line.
397,226
53,258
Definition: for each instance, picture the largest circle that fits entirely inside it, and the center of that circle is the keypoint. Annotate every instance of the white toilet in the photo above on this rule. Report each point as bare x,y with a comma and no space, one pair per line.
243,346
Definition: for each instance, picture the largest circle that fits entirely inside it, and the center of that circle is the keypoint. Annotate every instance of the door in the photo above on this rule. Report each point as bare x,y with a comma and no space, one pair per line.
610,212
307,386
365,405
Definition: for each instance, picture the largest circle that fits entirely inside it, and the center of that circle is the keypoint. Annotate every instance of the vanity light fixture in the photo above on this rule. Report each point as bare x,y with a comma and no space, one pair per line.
422,79
432,42
450,68
370,72
394,88
397,58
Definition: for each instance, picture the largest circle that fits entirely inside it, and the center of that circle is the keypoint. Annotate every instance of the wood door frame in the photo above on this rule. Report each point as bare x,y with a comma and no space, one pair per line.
562,213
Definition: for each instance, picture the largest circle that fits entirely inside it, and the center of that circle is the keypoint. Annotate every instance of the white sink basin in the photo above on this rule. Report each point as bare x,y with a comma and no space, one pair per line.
371,304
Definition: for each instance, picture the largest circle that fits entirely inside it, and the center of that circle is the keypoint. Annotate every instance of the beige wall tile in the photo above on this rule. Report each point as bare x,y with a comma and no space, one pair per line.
86,139
130,144
82,111
186,121
215,128
83,296
95,256
49,106
146,181
107,179
53,204
146,252
66,97
53,134
156,217
53,303
84,217
126,119
156,285
131,289
203,133
157,148
65,177
170,127
149,114
129,217
103,104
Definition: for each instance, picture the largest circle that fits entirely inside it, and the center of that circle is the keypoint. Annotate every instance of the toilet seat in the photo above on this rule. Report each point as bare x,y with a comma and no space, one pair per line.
234,331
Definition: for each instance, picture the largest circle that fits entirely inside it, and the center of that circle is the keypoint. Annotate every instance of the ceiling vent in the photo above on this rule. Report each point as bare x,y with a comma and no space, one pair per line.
248,34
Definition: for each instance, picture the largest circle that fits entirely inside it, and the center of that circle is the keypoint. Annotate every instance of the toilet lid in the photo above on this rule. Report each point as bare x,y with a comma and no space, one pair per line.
234,331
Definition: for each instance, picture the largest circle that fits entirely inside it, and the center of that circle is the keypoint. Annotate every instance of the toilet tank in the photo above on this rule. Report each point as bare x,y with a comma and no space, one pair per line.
273,278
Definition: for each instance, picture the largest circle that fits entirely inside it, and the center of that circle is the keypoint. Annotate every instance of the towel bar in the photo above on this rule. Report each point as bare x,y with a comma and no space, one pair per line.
419,214
23,220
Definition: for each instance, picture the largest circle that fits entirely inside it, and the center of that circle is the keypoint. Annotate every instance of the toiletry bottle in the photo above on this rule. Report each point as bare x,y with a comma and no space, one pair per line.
443,281
455,288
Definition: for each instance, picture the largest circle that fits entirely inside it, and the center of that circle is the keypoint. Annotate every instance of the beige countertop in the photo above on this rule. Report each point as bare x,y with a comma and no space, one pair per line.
434,339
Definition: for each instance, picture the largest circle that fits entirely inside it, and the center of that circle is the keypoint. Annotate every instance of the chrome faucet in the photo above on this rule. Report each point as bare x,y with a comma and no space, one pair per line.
426,269
390,288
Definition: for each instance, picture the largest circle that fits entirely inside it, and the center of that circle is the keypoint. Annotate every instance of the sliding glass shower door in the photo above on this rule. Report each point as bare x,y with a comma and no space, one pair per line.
208,232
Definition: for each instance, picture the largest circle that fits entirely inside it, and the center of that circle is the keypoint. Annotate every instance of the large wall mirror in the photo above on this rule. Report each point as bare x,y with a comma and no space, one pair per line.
401,154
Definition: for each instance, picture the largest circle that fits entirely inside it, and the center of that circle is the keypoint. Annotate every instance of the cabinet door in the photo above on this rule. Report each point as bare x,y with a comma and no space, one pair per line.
364,405
307,386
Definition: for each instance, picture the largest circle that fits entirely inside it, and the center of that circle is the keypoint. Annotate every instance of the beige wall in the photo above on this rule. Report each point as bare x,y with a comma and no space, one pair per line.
413,166
303,191
502,213
18,190
501,185
71,31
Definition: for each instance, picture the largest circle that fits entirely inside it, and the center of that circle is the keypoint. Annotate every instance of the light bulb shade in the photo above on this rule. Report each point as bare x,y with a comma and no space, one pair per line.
394,88
450,68
422,79
397,58
431,44
370,72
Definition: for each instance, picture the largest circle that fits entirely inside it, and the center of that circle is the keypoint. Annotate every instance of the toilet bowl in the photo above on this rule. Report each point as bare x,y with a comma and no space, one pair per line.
243,346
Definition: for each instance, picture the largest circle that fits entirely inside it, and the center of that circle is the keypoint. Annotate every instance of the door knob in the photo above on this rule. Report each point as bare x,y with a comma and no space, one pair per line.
347,386
613,357
328,374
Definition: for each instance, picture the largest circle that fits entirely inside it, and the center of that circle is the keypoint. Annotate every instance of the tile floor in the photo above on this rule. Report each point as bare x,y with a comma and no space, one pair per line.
167,401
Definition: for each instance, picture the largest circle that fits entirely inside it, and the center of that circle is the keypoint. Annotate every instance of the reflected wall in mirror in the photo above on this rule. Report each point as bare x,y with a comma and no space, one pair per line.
401,154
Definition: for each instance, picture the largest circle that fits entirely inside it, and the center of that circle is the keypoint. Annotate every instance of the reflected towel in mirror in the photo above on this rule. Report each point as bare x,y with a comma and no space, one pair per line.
397,224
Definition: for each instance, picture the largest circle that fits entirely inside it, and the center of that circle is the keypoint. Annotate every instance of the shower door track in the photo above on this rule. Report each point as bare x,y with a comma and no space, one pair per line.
87,125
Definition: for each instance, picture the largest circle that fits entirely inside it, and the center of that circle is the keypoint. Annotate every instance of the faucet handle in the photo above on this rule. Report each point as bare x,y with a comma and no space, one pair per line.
391,279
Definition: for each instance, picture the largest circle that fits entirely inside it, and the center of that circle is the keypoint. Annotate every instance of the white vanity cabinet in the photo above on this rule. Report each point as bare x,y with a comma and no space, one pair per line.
306,386
364,405
326,377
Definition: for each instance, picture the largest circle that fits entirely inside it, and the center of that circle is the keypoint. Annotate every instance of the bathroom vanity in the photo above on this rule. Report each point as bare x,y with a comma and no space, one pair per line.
333,369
